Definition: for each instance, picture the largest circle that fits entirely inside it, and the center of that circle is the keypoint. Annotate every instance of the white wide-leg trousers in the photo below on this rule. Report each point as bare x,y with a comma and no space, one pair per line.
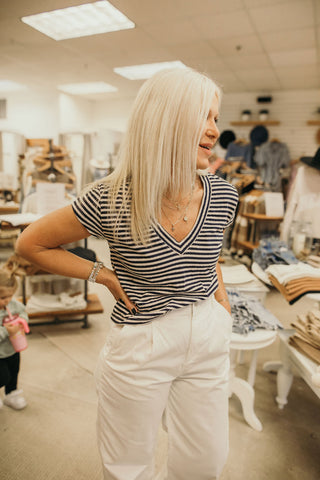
177,364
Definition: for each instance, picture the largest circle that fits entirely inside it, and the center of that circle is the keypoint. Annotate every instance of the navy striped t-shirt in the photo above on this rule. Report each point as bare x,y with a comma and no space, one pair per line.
165,274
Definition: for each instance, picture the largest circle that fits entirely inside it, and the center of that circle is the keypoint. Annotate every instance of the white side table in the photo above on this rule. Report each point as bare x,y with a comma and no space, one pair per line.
244,390
292,359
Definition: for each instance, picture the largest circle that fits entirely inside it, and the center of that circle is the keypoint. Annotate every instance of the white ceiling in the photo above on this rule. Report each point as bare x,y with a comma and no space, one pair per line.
246,45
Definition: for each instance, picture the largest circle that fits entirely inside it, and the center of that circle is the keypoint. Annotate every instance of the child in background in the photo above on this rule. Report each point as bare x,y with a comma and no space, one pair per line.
9,358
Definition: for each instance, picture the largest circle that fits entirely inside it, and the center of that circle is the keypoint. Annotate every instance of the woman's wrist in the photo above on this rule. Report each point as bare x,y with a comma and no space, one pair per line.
223,300
96,267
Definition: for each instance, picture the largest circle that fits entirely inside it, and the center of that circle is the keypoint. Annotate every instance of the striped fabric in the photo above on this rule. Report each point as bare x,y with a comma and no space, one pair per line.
165,274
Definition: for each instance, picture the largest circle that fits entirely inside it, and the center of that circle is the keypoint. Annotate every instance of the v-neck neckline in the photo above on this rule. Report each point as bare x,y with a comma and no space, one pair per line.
184,244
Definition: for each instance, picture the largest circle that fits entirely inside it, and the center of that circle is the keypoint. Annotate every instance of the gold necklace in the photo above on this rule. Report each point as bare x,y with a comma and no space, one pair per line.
184,216
178,206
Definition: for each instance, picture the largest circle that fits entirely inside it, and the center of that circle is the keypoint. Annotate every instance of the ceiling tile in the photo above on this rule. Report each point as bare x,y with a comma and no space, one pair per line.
242,45
121,48
288,39
317,12
190,7
262,78
294,57
192,50
285,16
297,71
261,3
224,25
241,62
173,32
229,82
142,12
31,7
299,77
290,83
210,64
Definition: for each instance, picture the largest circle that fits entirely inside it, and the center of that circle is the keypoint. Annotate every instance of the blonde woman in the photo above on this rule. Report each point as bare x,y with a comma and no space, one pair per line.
163,217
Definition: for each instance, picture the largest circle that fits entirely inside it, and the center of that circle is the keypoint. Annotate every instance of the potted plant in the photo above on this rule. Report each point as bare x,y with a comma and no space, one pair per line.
263,115
245,115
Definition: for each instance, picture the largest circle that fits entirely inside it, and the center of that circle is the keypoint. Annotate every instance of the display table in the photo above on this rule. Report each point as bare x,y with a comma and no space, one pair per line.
291,360
243,389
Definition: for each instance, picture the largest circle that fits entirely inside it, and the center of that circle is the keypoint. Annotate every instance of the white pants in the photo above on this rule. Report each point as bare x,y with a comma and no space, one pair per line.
177,364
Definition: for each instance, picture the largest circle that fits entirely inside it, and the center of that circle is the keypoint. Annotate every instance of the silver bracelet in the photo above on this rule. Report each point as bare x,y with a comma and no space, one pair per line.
95,270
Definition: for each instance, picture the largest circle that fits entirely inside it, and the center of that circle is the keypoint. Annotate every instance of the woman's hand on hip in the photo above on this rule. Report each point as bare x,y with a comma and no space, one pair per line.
109,279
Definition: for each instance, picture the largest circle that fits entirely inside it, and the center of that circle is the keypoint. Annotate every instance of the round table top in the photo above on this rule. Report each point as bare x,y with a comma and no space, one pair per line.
252,340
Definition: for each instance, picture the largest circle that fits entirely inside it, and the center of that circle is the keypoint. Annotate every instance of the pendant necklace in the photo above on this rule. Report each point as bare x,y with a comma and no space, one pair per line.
184,216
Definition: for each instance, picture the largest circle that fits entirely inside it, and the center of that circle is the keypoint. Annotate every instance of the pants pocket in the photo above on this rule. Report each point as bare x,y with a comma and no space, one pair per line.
223,316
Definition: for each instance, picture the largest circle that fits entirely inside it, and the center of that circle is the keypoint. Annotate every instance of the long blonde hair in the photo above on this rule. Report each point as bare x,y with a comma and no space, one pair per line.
159,150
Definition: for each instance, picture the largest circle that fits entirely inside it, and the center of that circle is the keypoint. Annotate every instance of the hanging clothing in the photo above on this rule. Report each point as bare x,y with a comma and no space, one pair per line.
271,157
303,201
243,151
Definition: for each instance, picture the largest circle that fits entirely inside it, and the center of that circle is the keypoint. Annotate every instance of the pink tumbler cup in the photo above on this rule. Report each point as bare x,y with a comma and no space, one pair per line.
18,340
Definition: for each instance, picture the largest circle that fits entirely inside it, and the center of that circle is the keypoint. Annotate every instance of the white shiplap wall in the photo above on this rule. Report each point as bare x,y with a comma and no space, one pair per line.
291,108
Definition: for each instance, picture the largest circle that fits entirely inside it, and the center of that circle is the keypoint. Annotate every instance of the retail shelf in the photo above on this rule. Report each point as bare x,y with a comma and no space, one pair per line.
11,209
248,245
93,306
260,216
250,123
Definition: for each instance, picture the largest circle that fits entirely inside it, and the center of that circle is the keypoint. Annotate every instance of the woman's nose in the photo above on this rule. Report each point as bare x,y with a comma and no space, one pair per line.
212,130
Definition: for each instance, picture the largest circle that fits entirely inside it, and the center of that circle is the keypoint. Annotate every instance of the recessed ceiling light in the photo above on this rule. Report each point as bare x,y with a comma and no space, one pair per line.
141,72
87,88
79,21
9,86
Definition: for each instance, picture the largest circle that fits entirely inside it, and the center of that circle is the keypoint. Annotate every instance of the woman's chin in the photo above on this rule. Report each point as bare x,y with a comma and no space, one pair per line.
202,164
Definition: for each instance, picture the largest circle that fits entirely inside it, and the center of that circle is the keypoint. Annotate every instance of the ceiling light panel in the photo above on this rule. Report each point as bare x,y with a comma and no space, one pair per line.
79,21
86,88
141,72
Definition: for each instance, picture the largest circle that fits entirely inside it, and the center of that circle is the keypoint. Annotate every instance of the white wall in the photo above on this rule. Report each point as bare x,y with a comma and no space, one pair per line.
75,114
112,114
34,114
44,114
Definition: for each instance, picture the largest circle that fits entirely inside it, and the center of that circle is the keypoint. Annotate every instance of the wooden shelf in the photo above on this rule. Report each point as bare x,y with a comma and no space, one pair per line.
93,306
4,210
248,245
255,122
313,122
260,216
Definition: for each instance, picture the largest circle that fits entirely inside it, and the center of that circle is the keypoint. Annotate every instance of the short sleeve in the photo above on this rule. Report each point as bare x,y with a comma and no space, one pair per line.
232,204
87,209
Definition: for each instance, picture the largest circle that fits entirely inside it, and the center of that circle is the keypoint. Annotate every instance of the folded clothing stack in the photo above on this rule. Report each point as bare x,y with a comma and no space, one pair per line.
248,314
294,281
314,261
47,302
307,335
272,251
